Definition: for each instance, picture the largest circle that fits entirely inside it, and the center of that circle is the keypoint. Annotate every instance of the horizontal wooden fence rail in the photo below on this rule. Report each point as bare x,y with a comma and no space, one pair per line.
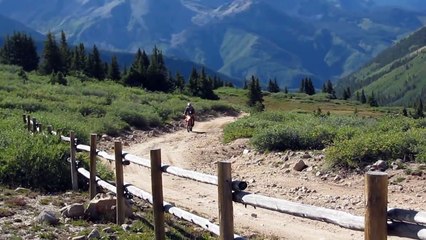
404,215
180,213
176,171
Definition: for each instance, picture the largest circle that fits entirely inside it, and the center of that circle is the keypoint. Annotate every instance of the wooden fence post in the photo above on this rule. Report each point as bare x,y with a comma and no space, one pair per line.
157,194
74,178
92,181
226,213
34,125
29,123
376,196
119,182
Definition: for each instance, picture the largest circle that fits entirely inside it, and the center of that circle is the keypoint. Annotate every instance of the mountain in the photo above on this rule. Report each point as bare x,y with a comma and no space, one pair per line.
8,26
286,39
396,76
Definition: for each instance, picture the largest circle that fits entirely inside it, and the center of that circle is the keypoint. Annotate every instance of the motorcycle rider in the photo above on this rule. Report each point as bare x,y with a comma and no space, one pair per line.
189,110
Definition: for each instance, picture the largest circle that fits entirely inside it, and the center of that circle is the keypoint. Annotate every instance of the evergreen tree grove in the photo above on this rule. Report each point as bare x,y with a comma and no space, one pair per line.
306,86
19,49
273,86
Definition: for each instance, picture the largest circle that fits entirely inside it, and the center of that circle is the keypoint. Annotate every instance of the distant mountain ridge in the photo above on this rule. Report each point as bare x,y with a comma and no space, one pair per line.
396,76
8,26
286,39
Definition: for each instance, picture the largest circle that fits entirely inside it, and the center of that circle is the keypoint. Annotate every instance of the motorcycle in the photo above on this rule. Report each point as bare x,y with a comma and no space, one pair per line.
189,122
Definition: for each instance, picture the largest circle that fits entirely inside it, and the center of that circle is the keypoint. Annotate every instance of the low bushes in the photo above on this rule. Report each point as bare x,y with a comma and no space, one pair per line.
349,141
36,161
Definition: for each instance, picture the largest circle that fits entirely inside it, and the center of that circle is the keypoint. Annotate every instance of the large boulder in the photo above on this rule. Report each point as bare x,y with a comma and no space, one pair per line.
380,165
75,210
48,217
299,166
103,206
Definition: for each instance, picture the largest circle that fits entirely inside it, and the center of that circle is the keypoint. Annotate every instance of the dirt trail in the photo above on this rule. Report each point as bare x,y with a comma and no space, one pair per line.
266,174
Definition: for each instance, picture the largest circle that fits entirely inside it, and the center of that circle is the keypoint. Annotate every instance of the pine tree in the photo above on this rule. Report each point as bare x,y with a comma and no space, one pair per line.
78,59
144,60
95,66
229,84
255,97
52,59
193,86
206,87
302,88
23,76
345,94
419,109
309,87
157,79
363,98
114,69
136,75
372,100
217,82
58,78
404,112
65,53
348,91
273,86
329,87
180,82
19,49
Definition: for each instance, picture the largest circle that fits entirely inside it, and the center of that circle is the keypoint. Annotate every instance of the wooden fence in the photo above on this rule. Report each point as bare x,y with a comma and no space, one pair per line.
377,224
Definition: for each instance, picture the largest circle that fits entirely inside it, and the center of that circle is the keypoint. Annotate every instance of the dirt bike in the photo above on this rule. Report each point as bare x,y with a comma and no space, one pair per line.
189,122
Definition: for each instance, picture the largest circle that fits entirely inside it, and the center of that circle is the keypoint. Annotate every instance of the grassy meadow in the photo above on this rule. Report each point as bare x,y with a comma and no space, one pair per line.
351,133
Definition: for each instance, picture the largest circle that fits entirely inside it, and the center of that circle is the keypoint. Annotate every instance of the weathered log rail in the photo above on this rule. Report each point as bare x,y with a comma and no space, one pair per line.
180,213
397,222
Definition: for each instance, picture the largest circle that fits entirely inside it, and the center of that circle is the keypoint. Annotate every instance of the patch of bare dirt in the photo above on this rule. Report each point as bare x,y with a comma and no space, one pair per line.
270,174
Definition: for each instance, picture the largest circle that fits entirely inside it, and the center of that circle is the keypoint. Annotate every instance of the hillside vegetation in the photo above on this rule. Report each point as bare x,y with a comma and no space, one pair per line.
351,134
397,76
85,106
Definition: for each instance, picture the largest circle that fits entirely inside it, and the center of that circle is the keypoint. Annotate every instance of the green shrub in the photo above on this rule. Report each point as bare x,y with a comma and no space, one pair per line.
350,141
285,137
369,147
92,110
35,161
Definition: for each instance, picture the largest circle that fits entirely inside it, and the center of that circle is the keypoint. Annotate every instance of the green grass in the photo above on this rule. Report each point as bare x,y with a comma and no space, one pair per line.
86,106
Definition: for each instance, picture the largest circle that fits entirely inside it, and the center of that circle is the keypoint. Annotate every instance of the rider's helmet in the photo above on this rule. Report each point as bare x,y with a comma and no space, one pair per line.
189,104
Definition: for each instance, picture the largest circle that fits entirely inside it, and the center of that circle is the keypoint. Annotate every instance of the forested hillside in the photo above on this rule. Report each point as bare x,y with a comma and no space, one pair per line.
146,71
397,75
